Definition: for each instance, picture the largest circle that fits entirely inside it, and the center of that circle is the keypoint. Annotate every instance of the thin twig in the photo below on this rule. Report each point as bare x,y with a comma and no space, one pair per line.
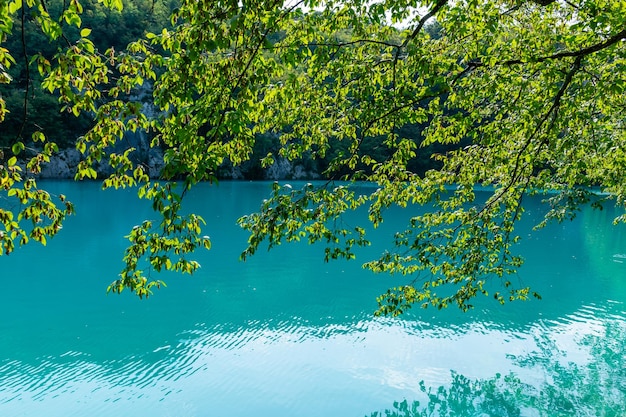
27,70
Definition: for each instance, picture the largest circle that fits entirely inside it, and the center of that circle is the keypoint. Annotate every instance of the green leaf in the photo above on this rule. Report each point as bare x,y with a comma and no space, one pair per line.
17,147
14,6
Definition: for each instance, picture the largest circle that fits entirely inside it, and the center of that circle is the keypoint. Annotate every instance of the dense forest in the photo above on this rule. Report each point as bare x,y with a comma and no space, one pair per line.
32,108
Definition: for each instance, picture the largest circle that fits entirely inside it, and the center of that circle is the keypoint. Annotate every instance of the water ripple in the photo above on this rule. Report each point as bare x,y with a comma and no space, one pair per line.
271,356
384,353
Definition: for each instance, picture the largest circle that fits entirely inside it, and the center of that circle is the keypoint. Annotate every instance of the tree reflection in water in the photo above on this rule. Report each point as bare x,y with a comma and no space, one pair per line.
594,388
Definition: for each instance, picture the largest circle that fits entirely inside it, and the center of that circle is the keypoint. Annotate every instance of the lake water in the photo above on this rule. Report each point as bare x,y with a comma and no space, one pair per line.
285,334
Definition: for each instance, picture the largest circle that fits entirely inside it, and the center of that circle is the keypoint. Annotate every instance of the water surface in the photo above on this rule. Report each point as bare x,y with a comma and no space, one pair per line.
286,334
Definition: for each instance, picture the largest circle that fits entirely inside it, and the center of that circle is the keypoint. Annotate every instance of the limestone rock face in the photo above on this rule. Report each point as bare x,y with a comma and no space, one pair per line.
284,169
62,165
281,169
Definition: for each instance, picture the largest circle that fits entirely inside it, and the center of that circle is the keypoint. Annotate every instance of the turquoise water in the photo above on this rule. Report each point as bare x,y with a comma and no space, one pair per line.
285,334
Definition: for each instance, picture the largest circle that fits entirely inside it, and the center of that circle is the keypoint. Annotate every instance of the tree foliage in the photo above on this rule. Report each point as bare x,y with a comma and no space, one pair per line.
530,94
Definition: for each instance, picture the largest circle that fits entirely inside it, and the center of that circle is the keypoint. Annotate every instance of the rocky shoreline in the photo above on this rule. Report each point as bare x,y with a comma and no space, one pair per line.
63,165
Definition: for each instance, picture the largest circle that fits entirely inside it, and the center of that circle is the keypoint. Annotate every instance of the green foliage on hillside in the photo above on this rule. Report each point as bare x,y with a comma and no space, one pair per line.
32,108
522,96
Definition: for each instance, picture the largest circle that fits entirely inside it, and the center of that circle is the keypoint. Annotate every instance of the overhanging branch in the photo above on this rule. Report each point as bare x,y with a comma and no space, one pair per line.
569,54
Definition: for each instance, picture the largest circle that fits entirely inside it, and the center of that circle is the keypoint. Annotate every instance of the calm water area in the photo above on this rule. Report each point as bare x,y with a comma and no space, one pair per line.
285,334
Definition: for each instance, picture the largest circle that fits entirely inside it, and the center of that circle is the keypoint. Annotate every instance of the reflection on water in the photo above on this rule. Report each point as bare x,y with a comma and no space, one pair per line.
593,383
285,334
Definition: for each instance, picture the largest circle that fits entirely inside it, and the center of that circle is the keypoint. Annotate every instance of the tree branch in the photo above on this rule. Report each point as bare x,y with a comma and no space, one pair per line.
517,169
438,6
27,70
575,54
